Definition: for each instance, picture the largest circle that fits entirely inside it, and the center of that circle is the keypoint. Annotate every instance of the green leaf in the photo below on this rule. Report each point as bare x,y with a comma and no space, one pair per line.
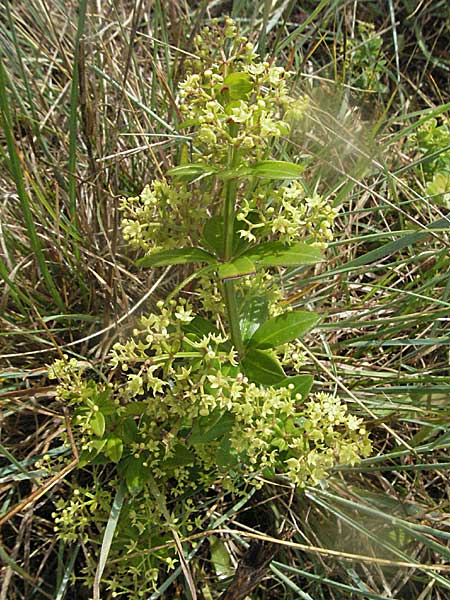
254,311
237,268
394,247
86,457
220,558
135,474
262,367
191,171
98,445
205,432
238,85
200,327
225,455
90,456
129,430
302,384
106,403
230,370
109,536
282,329
277,254
213,236
179,256
182,457
97,424
114,449
135,408
274,169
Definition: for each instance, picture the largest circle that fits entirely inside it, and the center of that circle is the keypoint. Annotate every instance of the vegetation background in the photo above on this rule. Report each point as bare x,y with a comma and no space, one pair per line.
88,112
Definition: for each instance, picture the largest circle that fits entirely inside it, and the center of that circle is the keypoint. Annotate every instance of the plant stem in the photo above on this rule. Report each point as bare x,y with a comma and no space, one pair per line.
229,295
229,291
228,217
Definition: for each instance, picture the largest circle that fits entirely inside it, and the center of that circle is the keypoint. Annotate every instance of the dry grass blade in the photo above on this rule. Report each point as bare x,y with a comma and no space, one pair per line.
38,493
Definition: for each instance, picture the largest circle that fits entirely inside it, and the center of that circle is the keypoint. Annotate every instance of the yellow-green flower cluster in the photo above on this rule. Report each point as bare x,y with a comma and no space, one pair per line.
257,118
210,300
269,427
208,103
73,517
85,514
328,434
231,102
172,375
164,216
288,214
432,141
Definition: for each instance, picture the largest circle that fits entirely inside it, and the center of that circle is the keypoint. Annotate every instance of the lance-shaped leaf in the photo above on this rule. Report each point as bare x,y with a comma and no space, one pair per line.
262,367
274,169
277,254
97,423
200,327
253,312
301,384
282,329
191,170
136,475
213,234
181,457
211,428
214,239
237,268
179,256
114,449
238,85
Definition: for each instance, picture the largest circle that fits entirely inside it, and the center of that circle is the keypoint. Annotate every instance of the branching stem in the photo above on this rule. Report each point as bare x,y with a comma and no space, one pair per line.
229,291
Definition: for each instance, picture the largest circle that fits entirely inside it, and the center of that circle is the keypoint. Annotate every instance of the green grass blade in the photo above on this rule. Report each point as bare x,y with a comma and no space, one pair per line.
74,96
108,536
25,201
67,573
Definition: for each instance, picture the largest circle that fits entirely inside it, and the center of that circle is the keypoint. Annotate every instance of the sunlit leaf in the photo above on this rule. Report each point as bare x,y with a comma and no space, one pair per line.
274,169
200,327
191,171
282,329
237,268
301,384
135,408
220,557
178,256
97,423
253,312
238,85
135,474
213,235
262,367
277,254
225,455
209,430
114,449
181,457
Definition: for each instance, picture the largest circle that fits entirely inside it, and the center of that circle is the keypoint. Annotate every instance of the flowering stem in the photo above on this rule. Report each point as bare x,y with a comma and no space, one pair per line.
229,291
229,209
229,296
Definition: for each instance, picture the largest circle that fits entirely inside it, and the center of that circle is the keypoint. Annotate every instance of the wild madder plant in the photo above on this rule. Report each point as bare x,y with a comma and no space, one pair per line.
206,393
